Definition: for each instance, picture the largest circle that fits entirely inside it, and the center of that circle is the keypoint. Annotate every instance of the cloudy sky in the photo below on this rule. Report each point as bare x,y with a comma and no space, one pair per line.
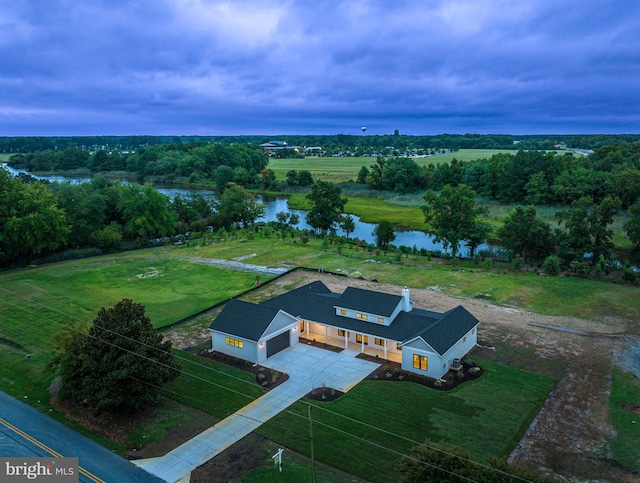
268,67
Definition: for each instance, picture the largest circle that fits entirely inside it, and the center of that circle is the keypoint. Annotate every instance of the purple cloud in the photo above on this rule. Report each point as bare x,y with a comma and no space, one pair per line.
209,67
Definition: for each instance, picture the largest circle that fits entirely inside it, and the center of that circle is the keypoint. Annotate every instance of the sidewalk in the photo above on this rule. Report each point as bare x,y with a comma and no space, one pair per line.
308,367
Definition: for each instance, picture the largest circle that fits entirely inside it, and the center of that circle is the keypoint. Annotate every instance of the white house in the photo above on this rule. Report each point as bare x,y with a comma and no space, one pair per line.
376,323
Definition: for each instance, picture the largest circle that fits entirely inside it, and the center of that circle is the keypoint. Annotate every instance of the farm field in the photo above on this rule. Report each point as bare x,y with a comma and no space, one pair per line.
338,170
176,282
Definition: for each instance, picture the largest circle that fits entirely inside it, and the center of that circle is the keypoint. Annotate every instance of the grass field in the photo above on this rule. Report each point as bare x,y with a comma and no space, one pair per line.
486,417
624,415
358,432
338,170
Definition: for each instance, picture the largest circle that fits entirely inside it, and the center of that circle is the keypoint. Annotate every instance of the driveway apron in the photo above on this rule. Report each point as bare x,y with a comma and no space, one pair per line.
308,368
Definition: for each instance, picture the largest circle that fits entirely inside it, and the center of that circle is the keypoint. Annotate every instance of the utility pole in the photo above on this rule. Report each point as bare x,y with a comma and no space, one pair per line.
313,460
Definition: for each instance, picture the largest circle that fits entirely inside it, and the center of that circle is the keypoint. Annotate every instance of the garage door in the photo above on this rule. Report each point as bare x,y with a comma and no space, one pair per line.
278,343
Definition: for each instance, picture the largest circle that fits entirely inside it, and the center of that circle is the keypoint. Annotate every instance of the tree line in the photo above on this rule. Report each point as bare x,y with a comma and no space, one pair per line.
38,219
335,142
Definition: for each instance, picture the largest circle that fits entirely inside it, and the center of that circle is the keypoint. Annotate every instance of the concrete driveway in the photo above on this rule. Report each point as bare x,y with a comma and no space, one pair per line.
308,367
312,367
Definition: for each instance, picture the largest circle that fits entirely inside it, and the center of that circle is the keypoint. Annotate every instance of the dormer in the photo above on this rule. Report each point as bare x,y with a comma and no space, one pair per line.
370,306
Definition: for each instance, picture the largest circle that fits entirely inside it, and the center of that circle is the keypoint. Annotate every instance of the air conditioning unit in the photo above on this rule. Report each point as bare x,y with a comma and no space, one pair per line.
456,364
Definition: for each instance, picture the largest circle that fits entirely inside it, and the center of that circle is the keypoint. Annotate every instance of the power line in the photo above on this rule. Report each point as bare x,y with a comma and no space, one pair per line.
389,433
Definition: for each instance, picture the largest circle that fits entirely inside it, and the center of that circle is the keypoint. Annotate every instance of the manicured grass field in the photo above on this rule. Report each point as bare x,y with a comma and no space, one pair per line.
363,431
338,170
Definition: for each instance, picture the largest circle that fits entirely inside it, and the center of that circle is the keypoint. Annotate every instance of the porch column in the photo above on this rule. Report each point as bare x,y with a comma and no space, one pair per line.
385,348
326,336
362,344
346,340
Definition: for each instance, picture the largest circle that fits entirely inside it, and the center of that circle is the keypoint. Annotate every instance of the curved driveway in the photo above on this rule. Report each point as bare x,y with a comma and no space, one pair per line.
26,432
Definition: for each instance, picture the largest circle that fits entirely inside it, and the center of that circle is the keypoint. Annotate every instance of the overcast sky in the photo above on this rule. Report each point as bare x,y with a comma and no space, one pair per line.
267,67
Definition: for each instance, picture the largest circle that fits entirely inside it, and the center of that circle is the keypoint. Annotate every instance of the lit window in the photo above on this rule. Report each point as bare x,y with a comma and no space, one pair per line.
359,338
341,333
302,326
420,362
234,342
381,320
343,312
361,316
464,339
378,341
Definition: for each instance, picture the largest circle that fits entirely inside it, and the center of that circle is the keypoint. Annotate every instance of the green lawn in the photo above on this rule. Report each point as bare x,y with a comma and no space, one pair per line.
624,400
338,170
357,432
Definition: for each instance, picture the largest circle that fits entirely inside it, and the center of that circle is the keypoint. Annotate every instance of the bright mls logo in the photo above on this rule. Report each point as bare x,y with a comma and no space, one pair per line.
51,470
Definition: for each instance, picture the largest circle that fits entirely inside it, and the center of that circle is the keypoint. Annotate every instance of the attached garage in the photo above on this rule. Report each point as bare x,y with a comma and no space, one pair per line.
277,343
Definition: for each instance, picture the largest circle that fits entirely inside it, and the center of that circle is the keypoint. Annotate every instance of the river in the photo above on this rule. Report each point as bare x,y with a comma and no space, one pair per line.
275,204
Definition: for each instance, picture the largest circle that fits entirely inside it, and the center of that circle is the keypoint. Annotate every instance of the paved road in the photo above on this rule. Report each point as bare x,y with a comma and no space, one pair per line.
26,432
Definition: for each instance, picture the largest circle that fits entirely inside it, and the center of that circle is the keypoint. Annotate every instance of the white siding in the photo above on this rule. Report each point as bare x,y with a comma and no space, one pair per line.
249,352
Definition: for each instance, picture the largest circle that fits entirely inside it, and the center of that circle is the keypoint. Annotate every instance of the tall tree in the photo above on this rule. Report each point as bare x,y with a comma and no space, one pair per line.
146,213
632,227
586,225
327,205
237,205
31,223
526,234
453,217
384,233
119,365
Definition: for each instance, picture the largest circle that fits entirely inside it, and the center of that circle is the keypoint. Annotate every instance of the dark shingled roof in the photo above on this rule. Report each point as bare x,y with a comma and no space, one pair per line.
244,319
369,301
452,325
315,302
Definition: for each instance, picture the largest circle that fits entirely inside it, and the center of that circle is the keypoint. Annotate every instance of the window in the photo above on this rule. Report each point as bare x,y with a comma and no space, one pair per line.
301,326
381,320
359,338
234,342
464,339
361,316
341,333
473,331
398,346
343,312
420,362
378,341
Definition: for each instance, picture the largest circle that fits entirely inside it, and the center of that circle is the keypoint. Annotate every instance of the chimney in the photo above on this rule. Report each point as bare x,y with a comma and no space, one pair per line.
406,301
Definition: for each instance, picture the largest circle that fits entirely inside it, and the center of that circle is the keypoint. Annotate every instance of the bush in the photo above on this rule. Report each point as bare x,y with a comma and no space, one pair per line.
437,383
551,265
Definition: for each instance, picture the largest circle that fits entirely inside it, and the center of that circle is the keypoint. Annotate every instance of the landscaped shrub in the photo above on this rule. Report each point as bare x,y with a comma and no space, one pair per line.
551,265
460,375
388,375
437,383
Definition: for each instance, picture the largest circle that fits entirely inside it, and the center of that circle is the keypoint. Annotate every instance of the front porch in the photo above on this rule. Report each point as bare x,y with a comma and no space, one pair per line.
354,346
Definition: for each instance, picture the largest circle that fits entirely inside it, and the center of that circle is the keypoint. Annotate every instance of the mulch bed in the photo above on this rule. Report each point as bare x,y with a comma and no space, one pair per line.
320,345
392,371
265,377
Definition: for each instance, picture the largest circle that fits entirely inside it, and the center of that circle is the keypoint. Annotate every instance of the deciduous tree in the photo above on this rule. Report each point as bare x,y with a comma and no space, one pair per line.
384,233
327,205
452,216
